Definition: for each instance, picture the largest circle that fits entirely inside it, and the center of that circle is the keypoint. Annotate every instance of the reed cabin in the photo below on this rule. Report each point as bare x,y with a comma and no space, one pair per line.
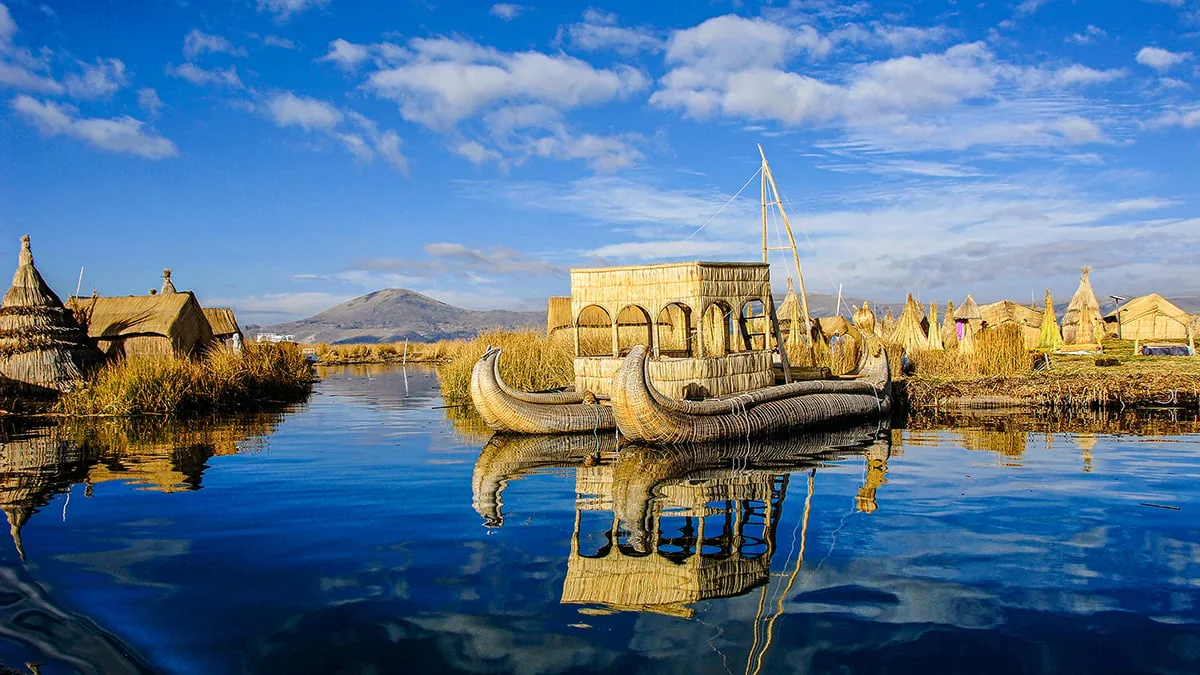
705,323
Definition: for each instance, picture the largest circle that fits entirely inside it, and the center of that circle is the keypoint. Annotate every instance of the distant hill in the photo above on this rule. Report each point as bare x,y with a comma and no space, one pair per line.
1188,303
398,314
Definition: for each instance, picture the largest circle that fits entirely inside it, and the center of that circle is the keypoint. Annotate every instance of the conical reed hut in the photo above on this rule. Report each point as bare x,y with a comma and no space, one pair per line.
41,343
1049,337
966,343
935,331
967,318
908,332
949,328
887,325
864,319
1082,321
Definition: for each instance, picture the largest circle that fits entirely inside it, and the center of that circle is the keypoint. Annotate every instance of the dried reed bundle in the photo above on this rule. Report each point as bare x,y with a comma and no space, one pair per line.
1049,336
1082,320
935,331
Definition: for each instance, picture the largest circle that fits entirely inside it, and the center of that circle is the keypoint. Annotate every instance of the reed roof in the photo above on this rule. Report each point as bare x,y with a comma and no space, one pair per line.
1007,311
222,321
652,287
1150,305
139,314
968,310
558,313
41,343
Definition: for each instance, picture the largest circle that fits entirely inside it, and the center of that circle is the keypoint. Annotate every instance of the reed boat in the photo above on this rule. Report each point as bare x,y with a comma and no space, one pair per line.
508,410
645,415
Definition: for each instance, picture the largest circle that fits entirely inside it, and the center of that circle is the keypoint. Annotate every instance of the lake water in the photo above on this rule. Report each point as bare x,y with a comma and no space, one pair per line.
365,532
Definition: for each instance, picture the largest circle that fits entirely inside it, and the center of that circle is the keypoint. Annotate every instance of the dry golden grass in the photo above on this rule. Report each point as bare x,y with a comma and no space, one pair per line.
530,362
223,380
998,351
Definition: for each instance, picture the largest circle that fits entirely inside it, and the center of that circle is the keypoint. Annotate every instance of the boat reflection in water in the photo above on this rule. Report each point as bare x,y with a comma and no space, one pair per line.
684,523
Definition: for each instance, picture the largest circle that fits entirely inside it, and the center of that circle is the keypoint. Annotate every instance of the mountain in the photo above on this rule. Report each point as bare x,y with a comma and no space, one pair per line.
1188,303
398,314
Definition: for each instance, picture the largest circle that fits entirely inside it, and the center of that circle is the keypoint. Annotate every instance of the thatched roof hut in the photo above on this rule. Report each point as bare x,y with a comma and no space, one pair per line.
935,331
1049,336
909,333
223,323
41,343
1082,321
169,324
864,318
1150,317
558,313
1007,311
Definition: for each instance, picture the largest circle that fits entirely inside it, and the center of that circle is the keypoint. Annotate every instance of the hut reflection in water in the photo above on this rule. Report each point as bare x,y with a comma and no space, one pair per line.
657,529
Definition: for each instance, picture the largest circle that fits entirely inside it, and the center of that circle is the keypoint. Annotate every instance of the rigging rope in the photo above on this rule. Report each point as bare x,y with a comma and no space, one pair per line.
714,216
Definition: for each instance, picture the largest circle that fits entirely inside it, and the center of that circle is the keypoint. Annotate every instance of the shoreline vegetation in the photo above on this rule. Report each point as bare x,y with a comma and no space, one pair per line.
221,380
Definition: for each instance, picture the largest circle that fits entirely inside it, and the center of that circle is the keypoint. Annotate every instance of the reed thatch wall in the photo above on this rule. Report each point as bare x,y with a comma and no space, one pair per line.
1007,311
1150,317
558,313
169,324
680,378
41,343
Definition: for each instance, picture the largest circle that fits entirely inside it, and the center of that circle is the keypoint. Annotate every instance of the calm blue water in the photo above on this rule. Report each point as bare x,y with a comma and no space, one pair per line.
365,533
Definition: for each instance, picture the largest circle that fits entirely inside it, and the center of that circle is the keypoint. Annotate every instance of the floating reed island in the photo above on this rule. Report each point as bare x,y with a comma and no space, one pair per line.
154,354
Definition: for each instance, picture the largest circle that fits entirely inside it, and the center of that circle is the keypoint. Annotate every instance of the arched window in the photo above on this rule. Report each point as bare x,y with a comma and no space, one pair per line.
633,328
674,327
594,327
716,325
753,326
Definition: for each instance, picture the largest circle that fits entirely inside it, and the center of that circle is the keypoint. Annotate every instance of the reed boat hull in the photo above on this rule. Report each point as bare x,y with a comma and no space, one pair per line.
644,415
507,410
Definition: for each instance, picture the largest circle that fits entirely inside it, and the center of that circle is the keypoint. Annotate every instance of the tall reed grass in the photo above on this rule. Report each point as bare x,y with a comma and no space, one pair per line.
222,380
530,362
999,351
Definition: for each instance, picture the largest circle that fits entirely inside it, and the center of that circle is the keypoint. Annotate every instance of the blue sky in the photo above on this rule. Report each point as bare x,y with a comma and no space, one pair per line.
284,155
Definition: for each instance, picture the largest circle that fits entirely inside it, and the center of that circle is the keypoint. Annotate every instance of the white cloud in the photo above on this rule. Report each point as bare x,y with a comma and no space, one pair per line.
1186,118
445,80
475,152
288,109
275,305
286,9
1030,6
508,11
19,68
197,43
345,54
226,77
149,101
1161,59
356,133
1077,74
599,31
276,41
103,78
1088,36
121,134
602,153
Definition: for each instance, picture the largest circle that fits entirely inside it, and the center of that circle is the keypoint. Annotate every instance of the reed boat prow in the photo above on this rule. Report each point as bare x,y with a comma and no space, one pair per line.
507,410
645,415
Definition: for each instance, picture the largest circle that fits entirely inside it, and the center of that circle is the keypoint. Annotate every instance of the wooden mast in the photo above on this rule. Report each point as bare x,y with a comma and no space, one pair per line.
767,176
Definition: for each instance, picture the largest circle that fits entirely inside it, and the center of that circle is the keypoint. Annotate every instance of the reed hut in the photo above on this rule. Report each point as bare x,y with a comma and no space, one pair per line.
909,333
170,324
1082,323
887,325
967,318
1049,336
1006,311
558,314
41,343
864,319
1150,317
935,331
223,324
949,327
